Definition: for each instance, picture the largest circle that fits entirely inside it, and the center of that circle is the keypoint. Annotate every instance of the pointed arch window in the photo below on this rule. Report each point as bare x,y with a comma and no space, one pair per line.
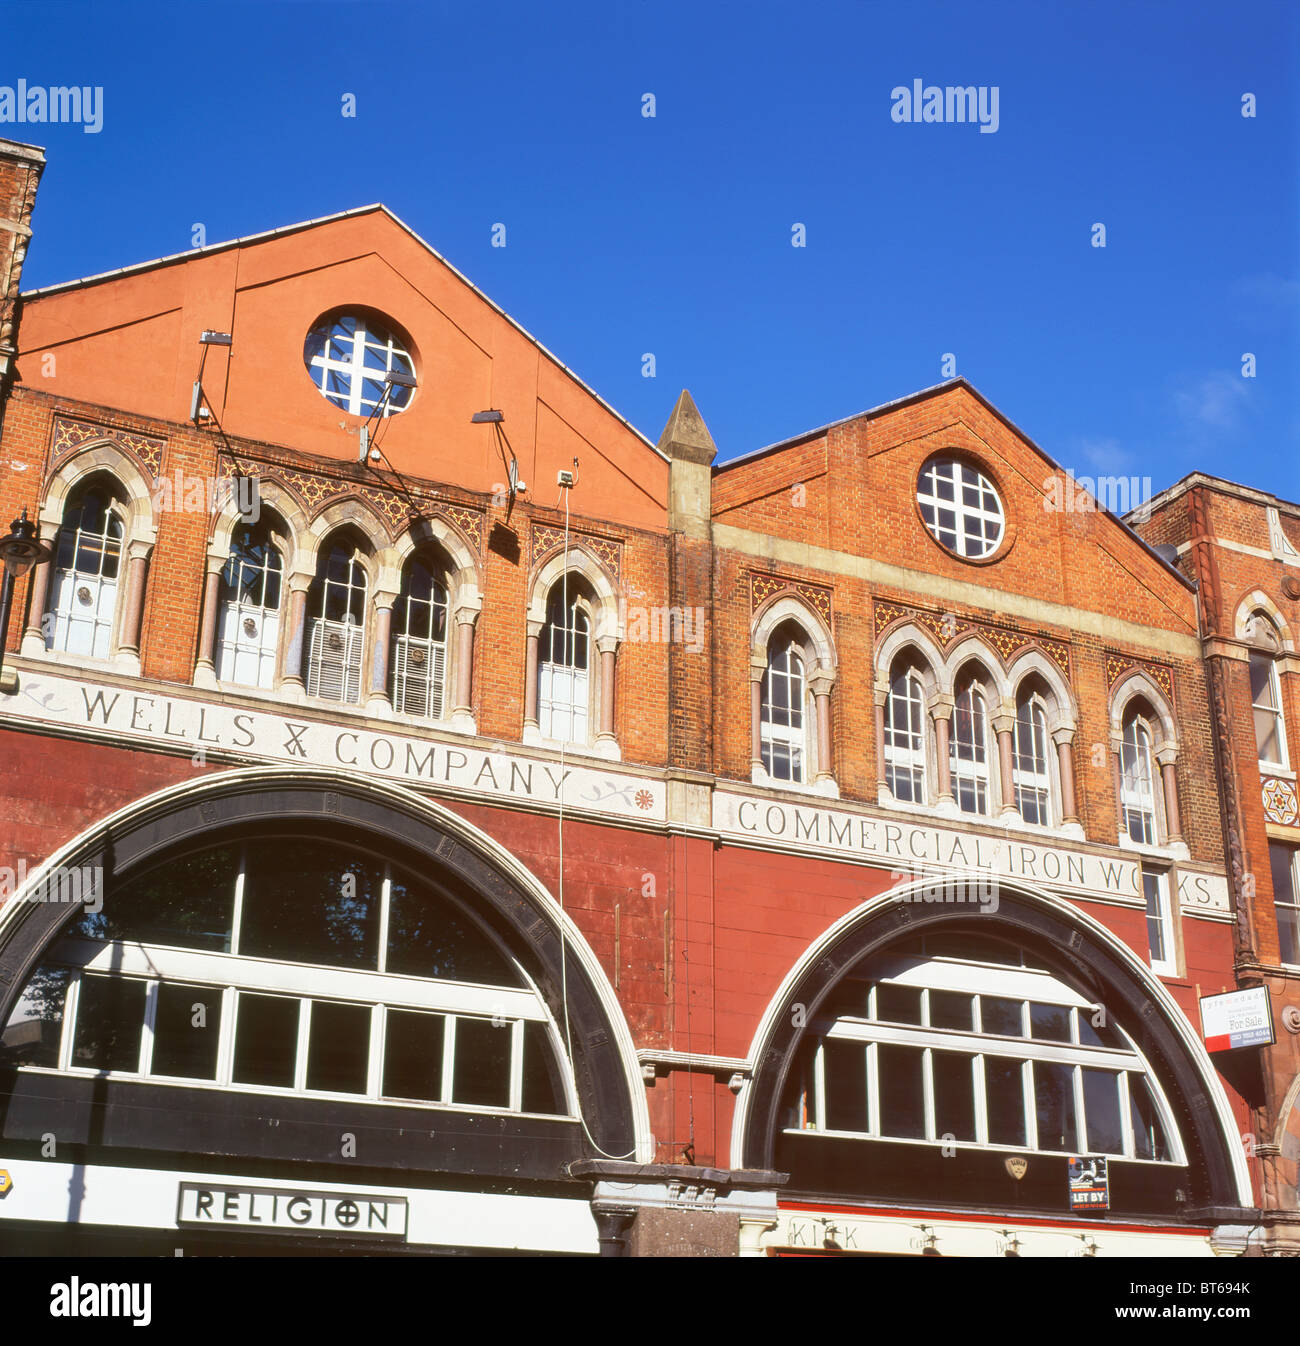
783,724
1031,772
338,614
249,625
564,667
1266,692
970,750
419,662
905,734
1137,781
87,566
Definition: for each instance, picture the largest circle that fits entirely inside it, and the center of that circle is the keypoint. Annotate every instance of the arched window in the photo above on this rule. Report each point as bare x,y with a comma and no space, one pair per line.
1031,772
969,749
782,726
1265,691
321,968
87,566
1137,781
419,662
973,1044
564,666
337,608
249,626
905,733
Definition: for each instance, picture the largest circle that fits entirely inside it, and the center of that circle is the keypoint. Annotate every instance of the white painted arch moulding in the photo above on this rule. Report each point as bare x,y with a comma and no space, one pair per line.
861,917
21,946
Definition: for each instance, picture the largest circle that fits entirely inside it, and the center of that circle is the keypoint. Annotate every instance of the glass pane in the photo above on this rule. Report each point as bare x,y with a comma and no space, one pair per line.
338,1049
1002,1018
954,1096
266,1040
110,1017
902,1100
1096,1030
186,1032
1148,1134
413,1055
309,902
188,903
35,1027
1286,901
1005,1099
1049,1023
1054,1101
1153,891
846,1086
482,1071
898,1004
951,1009
1101,1112
430,936
542,1091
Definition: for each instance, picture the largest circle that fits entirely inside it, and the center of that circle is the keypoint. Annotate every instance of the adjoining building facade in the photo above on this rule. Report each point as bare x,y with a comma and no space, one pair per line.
444,820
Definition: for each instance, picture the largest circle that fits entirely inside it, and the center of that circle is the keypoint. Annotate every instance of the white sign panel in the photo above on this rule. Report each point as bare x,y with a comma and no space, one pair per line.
908,847
302,738
1237,1019
267,1210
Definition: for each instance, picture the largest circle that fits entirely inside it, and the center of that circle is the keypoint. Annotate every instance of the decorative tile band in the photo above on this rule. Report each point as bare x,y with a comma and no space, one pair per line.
1117,665
762,586
546,538
70,435
947,627
1280,805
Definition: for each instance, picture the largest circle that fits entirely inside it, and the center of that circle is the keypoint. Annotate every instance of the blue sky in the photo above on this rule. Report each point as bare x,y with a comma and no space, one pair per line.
671,235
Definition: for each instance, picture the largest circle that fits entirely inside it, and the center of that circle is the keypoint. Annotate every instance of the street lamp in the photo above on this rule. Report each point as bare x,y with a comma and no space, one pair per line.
20,549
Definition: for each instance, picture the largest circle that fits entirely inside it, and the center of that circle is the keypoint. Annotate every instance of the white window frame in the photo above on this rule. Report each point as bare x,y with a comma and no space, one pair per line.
1038,776
344,357
962,477
907,758
336,647
233,974
793,736
1274,687
418,678
563,688
1292,865
1156,894
972,769
1029,986
235,647
1137,782
69,582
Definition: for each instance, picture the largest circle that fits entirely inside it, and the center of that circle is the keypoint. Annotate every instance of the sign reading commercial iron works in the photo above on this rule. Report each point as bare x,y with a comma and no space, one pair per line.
909,847
155,719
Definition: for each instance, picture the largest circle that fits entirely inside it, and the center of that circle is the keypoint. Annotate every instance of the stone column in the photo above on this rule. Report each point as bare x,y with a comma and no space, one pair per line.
881,696
941,708
820,685
205,671
532,727
291,675
1117,779
1167,759
1004,726
1064,740
606,740
751,1235
378,701
33,638
757,672
137,562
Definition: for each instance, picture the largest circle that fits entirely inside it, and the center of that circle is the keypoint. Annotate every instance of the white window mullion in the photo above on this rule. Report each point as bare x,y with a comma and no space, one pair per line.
378,1036
1031,1104
226,1040
927,1093
237,923
1080,1119
981,1102
70,1004
448,1056
1126,1116
819,1087
873,1090
150,1022
385,900
517,1065
304,1044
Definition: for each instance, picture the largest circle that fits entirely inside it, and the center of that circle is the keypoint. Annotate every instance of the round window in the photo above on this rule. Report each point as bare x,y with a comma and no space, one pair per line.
357,363
960,507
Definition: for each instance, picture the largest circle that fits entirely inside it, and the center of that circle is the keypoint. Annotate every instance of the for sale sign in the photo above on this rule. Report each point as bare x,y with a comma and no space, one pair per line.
1237,1019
